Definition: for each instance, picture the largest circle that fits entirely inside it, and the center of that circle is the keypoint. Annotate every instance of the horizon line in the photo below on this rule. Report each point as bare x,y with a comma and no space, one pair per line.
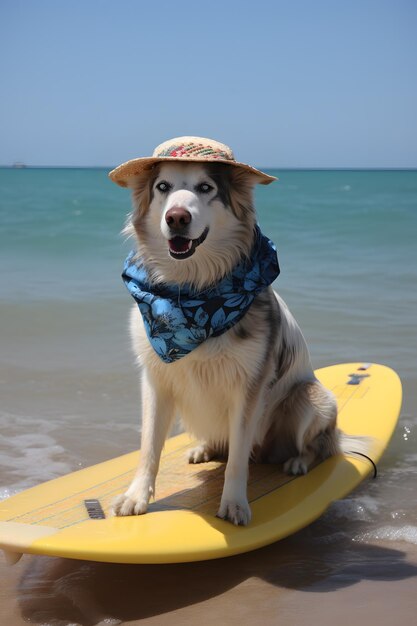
23,166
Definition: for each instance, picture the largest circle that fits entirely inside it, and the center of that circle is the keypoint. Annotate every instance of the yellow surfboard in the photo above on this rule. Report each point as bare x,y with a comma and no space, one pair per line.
64,517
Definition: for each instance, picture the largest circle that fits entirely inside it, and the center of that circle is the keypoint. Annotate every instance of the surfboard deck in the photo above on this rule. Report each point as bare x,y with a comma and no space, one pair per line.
62,517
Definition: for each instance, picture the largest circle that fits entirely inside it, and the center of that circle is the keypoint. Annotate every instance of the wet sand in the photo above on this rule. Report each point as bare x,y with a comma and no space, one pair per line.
299,581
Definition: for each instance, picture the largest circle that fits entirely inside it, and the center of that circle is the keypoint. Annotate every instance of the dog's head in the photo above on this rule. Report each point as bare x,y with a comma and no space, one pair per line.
193,221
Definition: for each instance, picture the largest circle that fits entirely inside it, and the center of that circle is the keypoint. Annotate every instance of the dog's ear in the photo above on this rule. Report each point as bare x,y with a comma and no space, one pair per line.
142,194
242,183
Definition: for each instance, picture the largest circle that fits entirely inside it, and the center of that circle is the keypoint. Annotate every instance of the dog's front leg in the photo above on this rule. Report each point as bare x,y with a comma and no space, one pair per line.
157,412
234,505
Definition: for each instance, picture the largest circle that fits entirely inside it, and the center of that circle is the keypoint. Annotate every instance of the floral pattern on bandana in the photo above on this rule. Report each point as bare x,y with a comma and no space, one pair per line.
178,319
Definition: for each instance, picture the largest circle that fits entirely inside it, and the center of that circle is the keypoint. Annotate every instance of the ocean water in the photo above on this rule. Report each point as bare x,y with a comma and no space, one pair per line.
348,256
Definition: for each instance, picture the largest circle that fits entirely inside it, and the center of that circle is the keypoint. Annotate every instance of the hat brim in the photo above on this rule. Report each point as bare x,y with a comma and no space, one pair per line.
124,174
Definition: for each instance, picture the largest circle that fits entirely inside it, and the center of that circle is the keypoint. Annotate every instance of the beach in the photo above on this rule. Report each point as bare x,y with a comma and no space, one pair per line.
286,583
68,383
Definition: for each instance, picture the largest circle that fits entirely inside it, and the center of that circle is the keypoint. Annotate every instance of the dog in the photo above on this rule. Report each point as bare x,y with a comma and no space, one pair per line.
247,394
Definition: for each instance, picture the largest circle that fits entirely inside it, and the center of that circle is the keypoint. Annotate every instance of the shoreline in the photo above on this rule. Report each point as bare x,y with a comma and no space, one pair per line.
297,580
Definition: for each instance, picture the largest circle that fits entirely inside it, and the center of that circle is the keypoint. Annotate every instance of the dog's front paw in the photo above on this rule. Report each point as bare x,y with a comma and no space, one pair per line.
296,466
125,505
135,500
236,512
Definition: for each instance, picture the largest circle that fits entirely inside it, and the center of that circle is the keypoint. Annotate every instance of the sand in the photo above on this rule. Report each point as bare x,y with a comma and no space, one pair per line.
295,582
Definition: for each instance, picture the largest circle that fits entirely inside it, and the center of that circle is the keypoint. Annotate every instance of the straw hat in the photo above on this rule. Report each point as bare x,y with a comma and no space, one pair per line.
194,149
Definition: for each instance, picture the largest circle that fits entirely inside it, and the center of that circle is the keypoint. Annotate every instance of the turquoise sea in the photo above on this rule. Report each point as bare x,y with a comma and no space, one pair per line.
348,255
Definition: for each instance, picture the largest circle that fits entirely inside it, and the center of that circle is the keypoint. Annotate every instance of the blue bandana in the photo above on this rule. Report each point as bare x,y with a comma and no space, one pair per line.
178,319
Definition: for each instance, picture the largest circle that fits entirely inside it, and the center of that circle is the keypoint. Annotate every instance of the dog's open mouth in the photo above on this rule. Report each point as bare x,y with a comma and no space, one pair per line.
183,248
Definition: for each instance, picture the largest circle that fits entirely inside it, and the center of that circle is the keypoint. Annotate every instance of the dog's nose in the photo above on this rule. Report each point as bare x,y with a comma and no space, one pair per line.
178,218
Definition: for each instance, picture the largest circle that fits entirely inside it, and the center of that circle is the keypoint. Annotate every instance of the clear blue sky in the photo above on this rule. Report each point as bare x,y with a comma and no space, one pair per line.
294,83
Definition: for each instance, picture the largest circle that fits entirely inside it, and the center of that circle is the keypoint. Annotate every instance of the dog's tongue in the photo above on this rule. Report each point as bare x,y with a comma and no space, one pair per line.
179,244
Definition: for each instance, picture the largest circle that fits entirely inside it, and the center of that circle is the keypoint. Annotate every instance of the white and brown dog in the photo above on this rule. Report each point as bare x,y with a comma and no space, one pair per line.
240,378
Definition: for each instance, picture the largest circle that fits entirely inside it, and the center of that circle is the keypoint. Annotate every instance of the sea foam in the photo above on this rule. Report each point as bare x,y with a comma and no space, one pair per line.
28,458
407,533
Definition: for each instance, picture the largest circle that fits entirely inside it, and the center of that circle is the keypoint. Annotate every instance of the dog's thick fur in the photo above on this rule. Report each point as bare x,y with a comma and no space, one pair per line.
249,394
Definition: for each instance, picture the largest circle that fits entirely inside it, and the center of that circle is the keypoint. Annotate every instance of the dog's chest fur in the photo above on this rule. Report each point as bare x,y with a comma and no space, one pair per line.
206,385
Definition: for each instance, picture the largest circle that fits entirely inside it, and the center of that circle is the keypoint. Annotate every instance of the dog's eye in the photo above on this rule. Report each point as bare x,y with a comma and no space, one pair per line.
204,188
163,186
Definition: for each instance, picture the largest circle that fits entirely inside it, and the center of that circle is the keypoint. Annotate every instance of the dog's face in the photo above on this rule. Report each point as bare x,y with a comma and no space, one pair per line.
189,203
193,221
